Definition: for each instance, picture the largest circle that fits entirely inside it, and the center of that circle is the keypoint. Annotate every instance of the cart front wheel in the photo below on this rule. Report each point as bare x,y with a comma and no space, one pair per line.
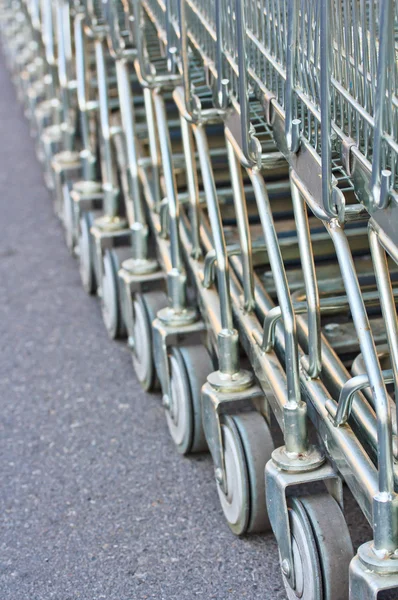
110,302
86,254
145,309
189,368
248,446
322,549
69,219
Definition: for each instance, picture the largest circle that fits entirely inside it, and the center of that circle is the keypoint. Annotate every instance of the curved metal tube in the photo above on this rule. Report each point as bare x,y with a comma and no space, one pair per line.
281,284
169,176
64,60
192,185
128,125
216,226
348,391
242,221
387,301
310,282
83,94
368,349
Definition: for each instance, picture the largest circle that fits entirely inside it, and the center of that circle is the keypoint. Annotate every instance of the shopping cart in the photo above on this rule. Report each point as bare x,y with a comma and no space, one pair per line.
243,233
310,107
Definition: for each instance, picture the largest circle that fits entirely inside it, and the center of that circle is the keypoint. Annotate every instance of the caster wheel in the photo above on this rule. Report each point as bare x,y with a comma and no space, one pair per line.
248,447
110,301
189,368
68,220
322,549
87,254
145,309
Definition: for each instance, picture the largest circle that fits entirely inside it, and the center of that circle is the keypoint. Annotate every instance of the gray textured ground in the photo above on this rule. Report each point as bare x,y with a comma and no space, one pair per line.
94,502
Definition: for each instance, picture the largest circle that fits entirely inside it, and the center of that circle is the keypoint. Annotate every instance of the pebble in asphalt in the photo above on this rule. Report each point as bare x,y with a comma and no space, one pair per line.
95,502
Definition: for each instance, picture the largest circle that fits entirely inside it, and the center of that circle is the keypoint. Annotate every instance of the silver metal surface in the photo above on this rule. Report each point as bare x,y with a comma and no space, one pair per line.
245,153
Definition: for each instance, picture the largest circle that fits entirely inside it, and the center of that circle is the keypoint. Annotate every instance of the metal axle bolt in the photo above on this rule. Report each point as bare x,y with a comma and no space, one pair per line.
285,567
219,476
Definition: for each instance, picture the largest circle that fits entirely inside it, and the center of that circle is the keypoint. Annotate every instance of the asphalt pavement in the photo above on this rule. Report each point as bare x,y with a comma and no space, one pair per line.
95,503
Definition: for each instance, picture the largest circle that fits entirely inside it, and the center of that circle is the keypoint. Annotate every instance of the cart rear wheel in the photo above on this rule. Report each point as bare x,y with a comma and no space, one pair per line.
189,368
248,446
145,309
86,254
322,549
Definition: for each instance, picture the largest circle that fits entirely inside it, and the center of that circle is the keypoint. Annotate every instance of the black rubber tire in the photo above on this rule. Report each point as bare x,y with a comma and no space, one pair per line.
149,303
87,254
111,293
194,365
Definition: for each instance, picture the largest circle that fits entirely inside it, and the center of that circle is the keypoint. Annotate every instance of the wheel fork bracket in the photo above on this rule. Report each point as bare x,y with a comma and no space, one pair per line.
88,199
369,576
132,283
164,336
66,168
277,481
104,239
216,403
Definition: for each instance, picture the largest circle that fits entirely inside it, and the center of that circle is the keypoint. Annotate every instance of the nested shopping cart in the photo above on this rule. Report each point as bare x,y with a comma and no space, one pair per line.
234,205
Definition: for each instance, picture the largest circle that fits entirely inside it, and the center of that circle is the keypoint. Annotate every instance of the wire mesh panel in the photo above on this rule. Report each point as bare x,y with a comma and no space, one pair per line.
200,23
